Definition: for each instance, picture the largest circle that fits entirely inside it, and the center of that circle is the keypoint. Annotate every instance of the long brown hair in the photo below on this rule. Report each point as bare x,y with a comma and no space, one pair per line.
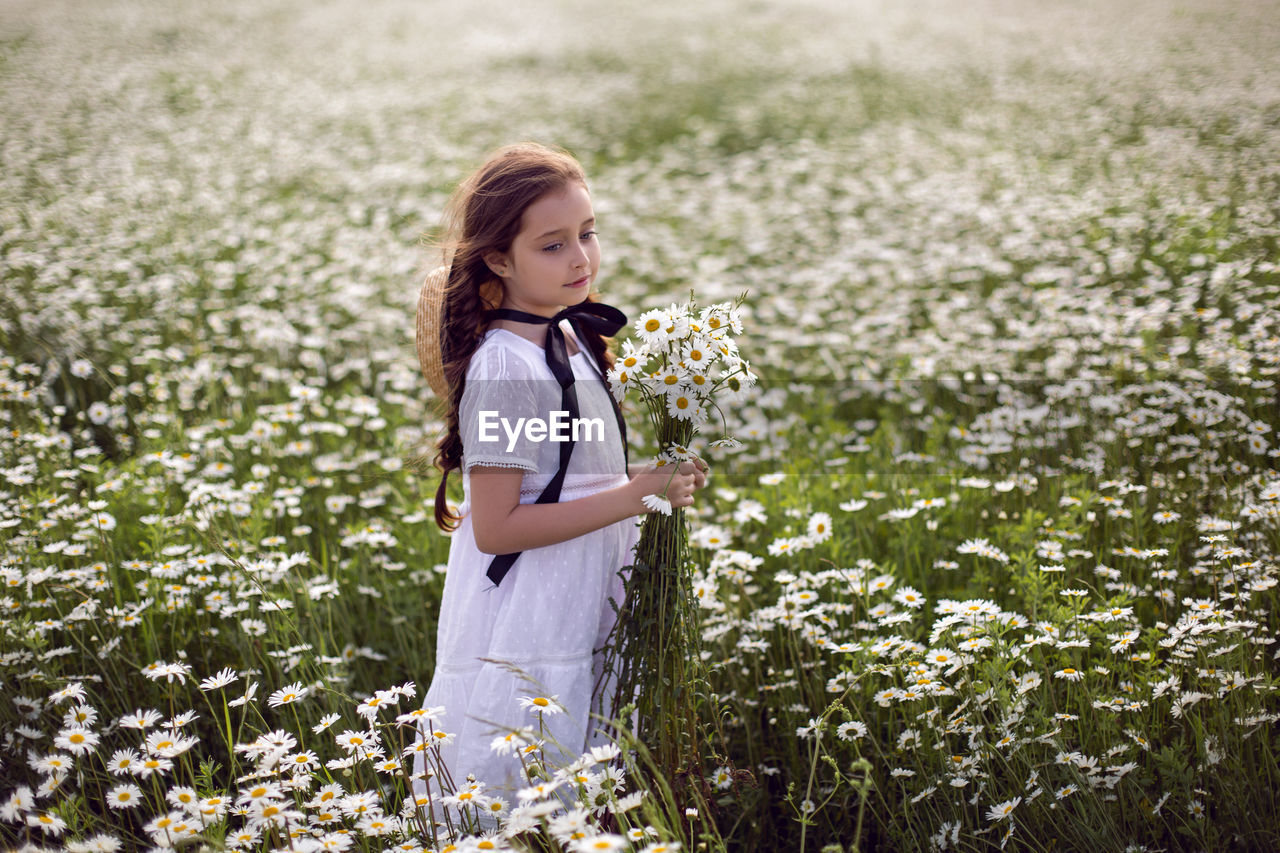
484,215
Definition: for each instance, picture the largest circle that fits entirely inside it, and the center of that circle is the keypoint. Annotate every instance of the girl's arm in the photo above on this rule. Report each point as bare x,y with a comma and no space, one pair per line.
503,525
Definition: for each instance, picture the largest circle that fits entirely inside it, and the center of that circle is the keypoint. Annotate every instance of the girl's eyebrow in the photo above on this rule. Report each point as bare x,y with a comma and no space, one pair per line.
554,231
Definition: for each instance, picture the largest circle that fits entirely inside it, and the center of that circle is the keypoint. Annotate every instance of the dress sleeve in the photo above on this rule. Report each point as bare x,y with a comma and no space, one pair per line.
503,391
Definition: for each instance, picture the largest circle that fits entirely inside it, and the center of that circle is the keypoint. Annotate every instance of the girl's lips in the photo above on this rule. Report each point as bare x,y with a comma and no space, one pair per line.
580,282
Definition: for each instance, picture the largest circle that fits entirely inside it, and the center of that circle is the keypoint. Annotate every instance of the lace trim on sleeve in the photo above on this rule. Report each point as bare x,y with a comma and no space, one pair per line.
468,464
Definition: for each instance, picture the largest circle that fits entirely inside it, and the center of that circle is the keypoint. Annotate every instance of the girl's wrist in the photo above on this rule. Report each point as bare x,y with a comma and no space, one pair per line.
638,489
635,496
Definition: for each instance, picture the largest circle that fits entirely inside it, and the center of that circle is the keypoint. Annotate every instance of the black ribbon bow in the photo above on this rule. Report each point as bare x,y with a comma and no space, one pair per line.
598,318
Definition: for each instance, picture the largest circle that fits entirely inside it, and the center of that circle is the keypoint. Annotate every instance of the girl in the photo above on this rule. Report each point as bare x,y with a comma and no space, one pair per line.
512,336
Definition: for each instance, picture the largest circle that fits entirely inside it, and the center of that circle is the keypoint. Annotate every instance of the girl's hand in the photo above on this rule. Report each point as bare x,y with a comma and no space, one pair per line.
678,486
700,471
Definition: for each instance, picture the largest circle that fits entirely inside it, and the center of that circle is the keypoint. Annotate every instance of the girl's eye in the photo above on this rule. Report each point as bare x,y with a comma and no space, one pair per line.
555,247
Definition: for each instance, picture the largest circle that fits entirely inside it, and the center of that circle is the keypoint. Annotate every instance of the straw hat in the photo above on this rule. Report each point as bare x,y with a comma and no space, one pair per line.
430,325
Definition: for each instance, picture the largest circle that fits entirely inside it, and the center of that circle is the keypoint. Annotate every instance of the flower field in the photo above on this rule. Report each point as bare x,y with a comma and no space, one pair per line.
994,566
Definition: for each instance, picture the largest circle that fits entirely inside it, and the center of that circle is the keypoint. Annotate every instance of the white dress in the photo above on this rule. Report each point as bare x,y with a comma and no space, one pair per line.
537,634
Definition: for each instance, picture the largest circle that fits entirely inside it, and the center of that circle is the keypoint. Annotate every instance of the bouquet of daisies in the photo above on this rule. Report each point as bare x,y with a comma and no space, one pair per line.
684,368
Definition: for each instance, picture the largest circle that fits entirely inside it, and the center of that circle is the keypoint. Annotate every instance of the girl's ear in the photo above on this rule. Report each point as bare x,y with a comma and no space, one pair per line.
496,262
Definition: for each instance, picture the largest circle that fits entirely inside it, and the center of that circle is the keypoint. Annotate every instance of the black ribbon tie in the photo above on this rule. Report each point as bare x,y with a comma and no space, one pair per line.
595,317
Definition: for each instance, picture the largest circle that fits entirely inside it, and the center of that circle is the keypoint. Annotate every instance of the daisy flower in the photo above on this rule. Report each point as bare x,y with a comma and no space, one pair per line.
377,825
74,690
603,843
261,791
47,822
220,680
654,326
287,694
538,792
541,704
820,526
1002,811
682,404
657,503
667,379
633,357
696,355
909,597
353,741
369,707
249,693
325,721
620,379
439,737
76,741
55,763
851,730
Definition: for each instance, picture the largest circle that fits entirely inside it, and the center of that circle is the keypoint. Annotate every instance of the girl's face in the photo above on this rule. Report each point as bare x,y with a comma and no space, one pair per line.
554,259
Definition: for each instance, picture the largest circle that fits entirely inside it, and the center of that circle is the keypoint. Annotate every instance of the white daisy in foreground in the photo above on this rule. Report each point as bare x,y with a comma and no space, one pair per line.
607,842
541,704
657,503
662,847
